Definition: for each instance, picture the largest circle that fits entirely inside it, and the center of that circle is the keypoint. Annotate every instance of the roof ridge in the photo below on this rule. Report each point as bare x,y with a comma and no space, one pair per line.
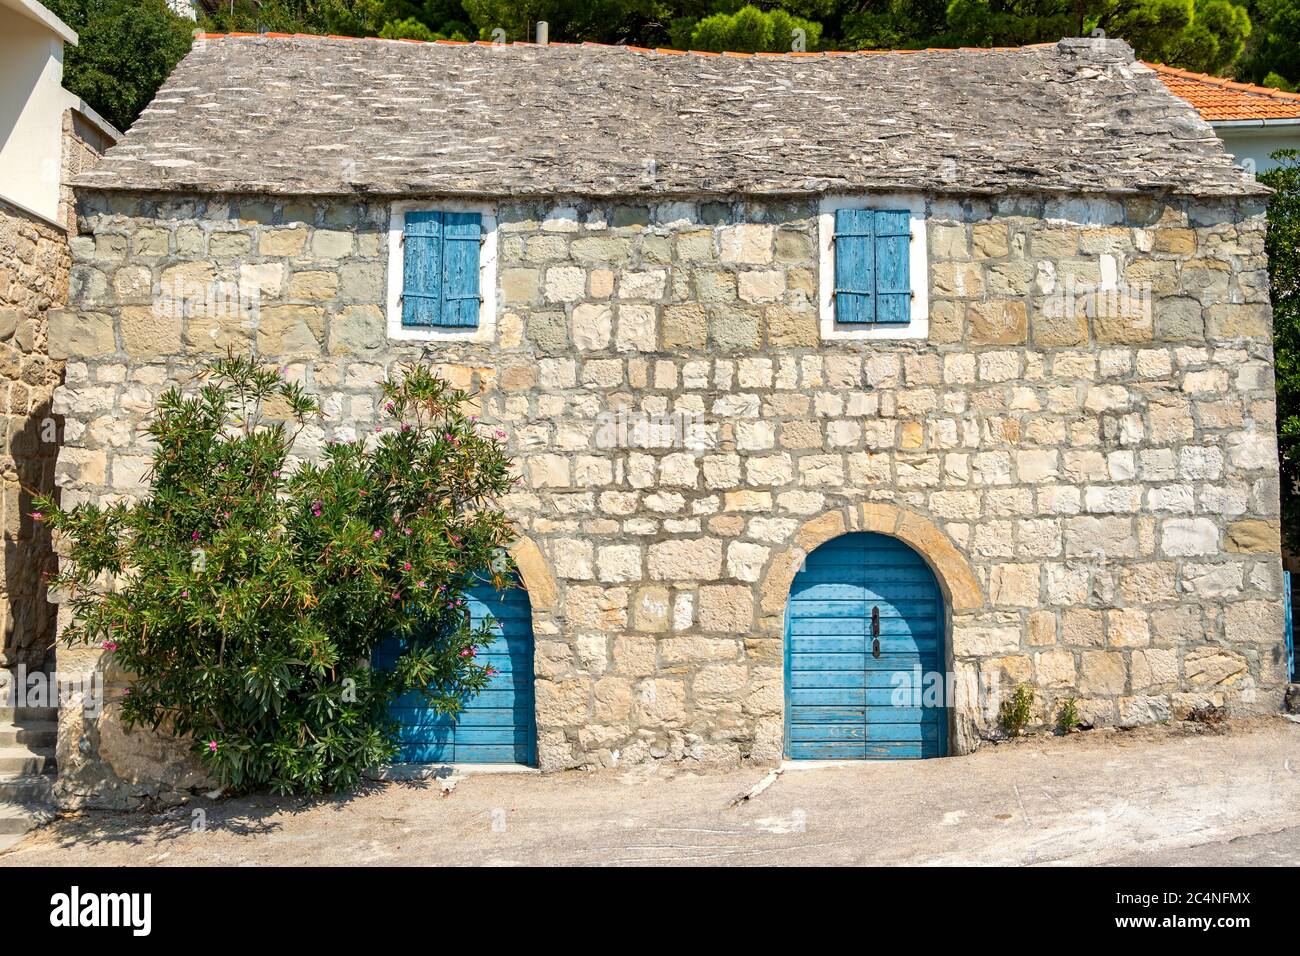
666,51
1225,83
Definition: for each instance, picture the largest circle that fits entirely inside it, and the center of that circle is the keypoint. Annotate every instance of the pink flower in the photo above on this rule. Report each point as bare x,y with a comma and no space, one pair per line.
388,405
379,428
276,473
194,536
406,531
185,594
420,584
500,433
464,653
378,535
109,645
212,746
406,566
397,595
37,516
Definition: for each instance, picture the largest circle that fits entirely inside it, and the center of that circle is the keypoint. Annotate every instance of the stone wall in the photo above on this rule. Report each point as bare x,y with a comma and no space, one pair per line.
1095,483
34,265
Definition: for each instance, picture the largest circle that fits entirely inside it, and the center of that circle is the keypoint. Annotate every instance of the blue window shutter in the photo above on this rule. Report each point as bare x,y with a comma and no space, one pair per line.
422,268
460,251
855,266
893,282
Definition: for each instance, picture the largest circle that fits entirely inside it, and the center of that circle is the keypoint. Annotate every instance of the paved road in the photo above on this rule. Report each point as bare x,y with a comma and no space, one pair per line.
1168,796
1276,848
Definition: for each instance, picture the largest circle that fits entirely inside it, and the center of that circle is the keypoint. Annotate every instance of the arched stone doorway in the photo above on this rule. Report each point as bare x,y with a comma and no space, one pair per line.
958,585
865,653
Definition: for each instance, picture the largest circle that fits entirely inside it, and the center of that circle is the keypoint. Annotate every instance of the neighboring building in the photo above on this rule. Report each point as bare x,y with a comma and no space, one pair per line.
818,369
46,135
1253,121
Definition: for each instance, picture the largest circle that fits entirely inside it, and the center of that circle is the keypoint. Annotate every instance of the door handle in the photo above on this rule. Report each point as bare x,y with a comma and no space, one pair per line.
875,631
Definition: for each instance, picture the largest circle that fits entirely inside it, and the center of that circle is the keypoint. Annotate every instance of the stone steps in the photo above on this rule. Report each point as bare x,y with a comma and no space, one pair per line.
22,715
17,818
22,760
36,733
27,788
28,738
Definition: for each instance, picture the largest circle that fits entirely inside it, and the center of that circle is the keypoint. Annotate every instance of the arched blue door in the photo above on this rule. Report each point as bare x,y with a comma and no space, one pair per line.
841,686
495,726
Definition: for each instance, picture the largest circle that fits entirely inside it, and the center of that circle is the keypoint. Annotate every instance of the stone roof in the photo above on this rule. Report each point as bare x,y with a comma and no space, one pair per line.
329,115
1220,100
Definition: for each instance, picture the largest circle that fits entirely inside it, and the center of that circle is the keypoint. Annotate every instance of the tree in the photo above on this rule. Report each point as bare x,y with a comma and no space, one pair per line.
1283,246
892,24
1273,57
125,50
1204,35
247,595
751,30
393,19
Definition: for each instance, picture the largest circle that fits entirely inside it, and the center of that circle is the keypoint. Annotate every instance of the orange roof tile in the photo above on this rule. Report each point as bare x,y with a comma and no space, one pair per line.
1223,100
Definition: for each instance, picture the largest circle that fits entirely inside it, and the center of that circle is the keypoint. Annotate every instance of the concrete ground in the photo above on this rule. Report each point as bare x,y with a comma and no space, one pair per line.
1180,795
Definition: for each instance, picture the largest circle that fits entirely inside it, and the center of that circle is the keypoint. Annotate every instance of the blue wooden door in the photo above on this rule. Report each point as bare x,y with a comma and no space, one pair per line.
1290,625
495,726
840,687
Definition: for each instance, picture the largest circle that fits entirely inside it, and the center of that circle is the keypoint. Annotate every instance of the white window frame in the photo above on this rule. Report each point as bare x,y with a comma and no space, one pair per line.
918,326
486,329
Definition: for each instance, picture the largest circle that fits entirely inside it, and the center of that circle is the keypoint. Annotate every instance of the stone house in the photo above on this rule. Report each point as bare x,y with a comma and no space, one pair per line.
818,369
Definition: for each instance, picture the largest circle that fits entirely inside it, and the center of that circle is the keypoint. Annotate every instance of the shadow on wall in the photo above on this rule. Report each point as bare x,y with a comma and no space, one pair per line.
29,620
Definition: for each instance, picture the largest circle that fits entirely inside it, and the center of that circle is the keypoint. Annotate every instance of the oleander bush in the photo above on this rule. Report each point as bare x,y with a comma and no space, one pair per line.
245,592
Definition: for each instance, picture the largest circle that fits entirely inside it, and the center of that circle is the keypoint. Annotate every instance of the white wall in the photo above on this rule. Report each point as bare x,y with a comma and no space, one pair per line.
32,102
1256,142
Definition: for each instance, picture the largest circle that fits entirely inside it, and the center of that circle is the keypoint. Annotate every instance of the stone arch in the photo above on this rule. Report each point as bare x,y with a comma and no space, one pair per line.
957,580
535,573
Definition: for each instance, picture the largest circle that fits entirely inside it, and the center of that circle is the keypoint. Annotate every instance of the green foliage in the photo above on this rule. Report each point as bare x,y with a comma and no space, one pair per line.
894,24
1283,246
1017,710
125,49
751,30
250,594
1273,57
1204,35
408,29
1278,82
1068,719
